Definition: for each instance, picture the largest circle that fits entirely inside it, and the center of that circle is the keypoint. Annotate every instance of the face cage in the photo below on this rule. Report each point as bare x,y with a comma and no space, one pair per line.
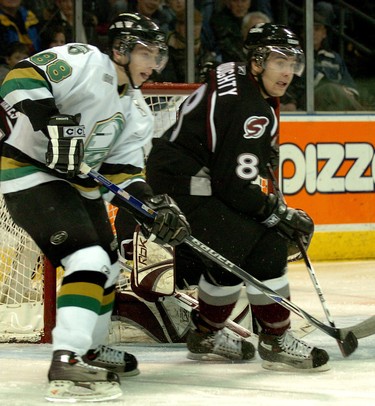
127,46
261,55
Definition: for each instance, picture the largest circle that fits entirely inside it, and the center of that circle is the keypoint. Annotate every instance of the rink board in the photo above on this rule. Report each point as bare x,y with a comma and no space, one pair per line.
327,168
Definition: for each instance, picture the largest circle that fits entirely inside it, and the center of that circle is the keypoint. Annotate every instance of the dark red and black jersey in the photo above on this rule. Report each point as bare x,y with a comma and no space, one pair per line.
226,135
8,118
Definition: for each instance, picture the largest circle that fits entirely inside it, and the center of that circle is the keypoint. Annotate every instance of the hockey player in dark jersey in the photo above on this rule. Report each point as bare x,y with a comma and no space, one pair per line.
78,104
8,117
214,163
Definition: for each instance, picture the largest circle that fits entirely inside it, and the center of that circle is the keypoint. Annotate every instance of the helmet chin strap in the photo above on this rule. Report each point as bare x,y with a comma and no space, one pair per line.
259,76
127,71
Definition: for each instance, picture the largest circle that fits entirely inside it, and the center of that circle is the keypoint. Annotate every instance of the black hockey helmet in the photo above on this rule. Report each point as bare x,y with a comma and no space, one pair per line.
264,38
132,29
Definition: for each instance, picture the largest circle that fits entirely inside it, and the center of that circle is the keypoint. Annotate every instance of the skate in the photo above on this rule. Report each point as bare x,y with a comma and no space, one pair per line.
286,352
121,362
218,345
72,380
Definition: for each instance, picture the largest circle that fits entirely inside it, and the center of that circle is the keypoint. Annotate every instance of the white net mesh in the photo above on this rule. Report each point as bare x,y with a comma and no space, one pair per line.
22,263
21,282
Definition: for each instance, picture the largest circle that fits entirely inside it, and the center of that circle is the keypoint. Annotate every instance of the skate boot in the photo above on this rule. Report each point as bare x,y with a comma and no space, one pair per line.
286,352
121,362
72,380
224,344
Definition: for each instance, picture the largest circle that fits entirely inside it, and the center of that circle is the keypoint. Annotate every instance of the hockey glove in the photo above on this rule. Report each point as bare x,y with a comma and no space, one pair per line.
170,225
290,222
65,145
294,253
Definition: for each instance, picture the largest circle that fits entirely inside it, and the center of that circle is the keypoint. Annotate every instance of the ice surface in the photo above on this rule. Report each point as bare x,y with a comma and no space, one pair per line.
168,378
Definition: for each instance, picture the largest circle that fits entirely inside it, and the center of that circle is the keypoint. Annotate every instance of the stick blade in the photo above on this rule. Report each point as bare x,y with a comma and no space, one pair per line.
349,344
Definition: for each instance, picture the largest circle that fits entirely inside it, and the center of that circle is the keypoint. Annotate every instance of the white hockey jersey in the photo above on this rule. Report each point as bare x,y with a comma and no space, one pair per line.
74,79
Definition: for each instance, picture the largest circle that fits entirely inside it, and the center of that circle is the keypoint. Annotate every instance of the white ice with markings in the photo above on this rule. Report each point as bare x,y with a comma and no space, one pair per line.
169,379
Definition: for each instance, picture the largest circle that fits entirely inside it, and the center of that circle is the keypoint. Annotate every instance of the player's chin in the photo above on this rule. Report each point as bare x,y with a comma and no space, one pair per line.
278,91
140,79
138,83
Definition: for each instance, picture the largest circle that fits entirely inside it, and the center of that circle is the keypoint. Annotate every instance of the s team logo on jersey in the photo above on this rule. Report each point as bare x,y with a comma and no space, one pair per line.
255,126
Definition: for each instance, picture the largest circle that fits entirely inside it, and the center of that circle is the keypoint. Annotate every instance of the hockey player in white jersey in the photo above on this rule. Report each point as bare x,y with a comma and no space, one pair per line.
78,104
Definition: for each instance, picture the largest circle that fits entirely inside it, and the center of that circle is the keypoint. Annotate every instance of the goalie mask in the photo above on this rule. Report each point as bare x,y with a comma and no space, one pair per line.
131,29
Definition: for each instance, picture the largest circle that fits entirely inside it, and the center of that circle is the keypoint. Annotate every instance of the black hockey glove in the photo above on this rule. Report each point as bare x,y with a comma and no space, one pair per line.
290,222
65,146
294,253
170,225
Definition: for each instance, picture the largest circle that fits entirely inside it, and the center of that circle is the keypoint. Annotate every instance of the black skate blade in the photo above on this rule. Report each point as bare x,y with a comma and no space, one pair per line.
349,344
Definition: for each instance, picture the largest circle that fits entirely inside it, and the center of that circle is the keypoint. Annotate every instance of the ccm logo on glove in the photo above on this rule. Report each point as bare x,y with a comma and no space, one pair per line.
77,131
65,150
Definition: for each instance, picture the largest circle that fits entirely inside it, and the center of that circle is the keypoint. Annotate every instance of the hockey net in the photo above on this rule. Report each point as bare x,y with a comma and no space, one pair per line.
28,283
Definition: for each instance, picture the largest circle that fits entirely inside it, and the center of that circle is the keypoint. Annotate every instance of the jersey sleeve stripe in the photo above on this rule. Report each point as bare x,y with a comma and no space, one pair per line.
13,83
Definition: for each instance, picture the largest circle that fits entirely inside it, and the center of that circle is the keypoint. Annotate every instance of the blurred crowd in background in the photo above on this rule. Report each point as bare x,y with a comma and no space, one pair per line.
343,73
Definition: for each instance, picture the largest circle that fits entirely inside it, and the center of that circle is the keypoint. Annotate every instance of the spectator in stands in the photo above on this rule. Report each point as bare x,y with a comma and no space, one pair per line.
226,25
265,7
175,70
18,24
251,19
106,11
152,9
173,8
335,89
360,52
15,52
38,7
62,14
53,37
207,8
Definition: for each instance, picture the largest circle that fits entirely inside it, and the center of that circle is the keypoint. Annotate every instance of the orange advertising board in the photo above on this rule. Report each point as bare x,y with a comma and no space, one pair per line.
327,168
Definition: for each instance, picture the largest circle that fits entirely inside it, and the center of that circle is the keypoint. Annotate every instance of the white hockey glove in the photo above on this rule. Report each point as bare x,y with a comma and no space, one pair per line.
291,223
170,225
65,146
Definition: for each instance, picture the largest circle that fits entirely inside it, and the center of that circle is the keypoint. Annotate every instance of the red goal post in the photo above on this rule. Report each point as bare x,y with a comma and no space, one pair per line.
28,283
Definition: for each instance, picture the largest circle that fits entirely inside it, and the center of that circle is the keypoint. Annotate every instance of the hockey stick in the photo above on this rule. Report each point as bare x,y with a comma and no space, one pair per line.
153,259
308,264
346,336
188,303
191,303
182,299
